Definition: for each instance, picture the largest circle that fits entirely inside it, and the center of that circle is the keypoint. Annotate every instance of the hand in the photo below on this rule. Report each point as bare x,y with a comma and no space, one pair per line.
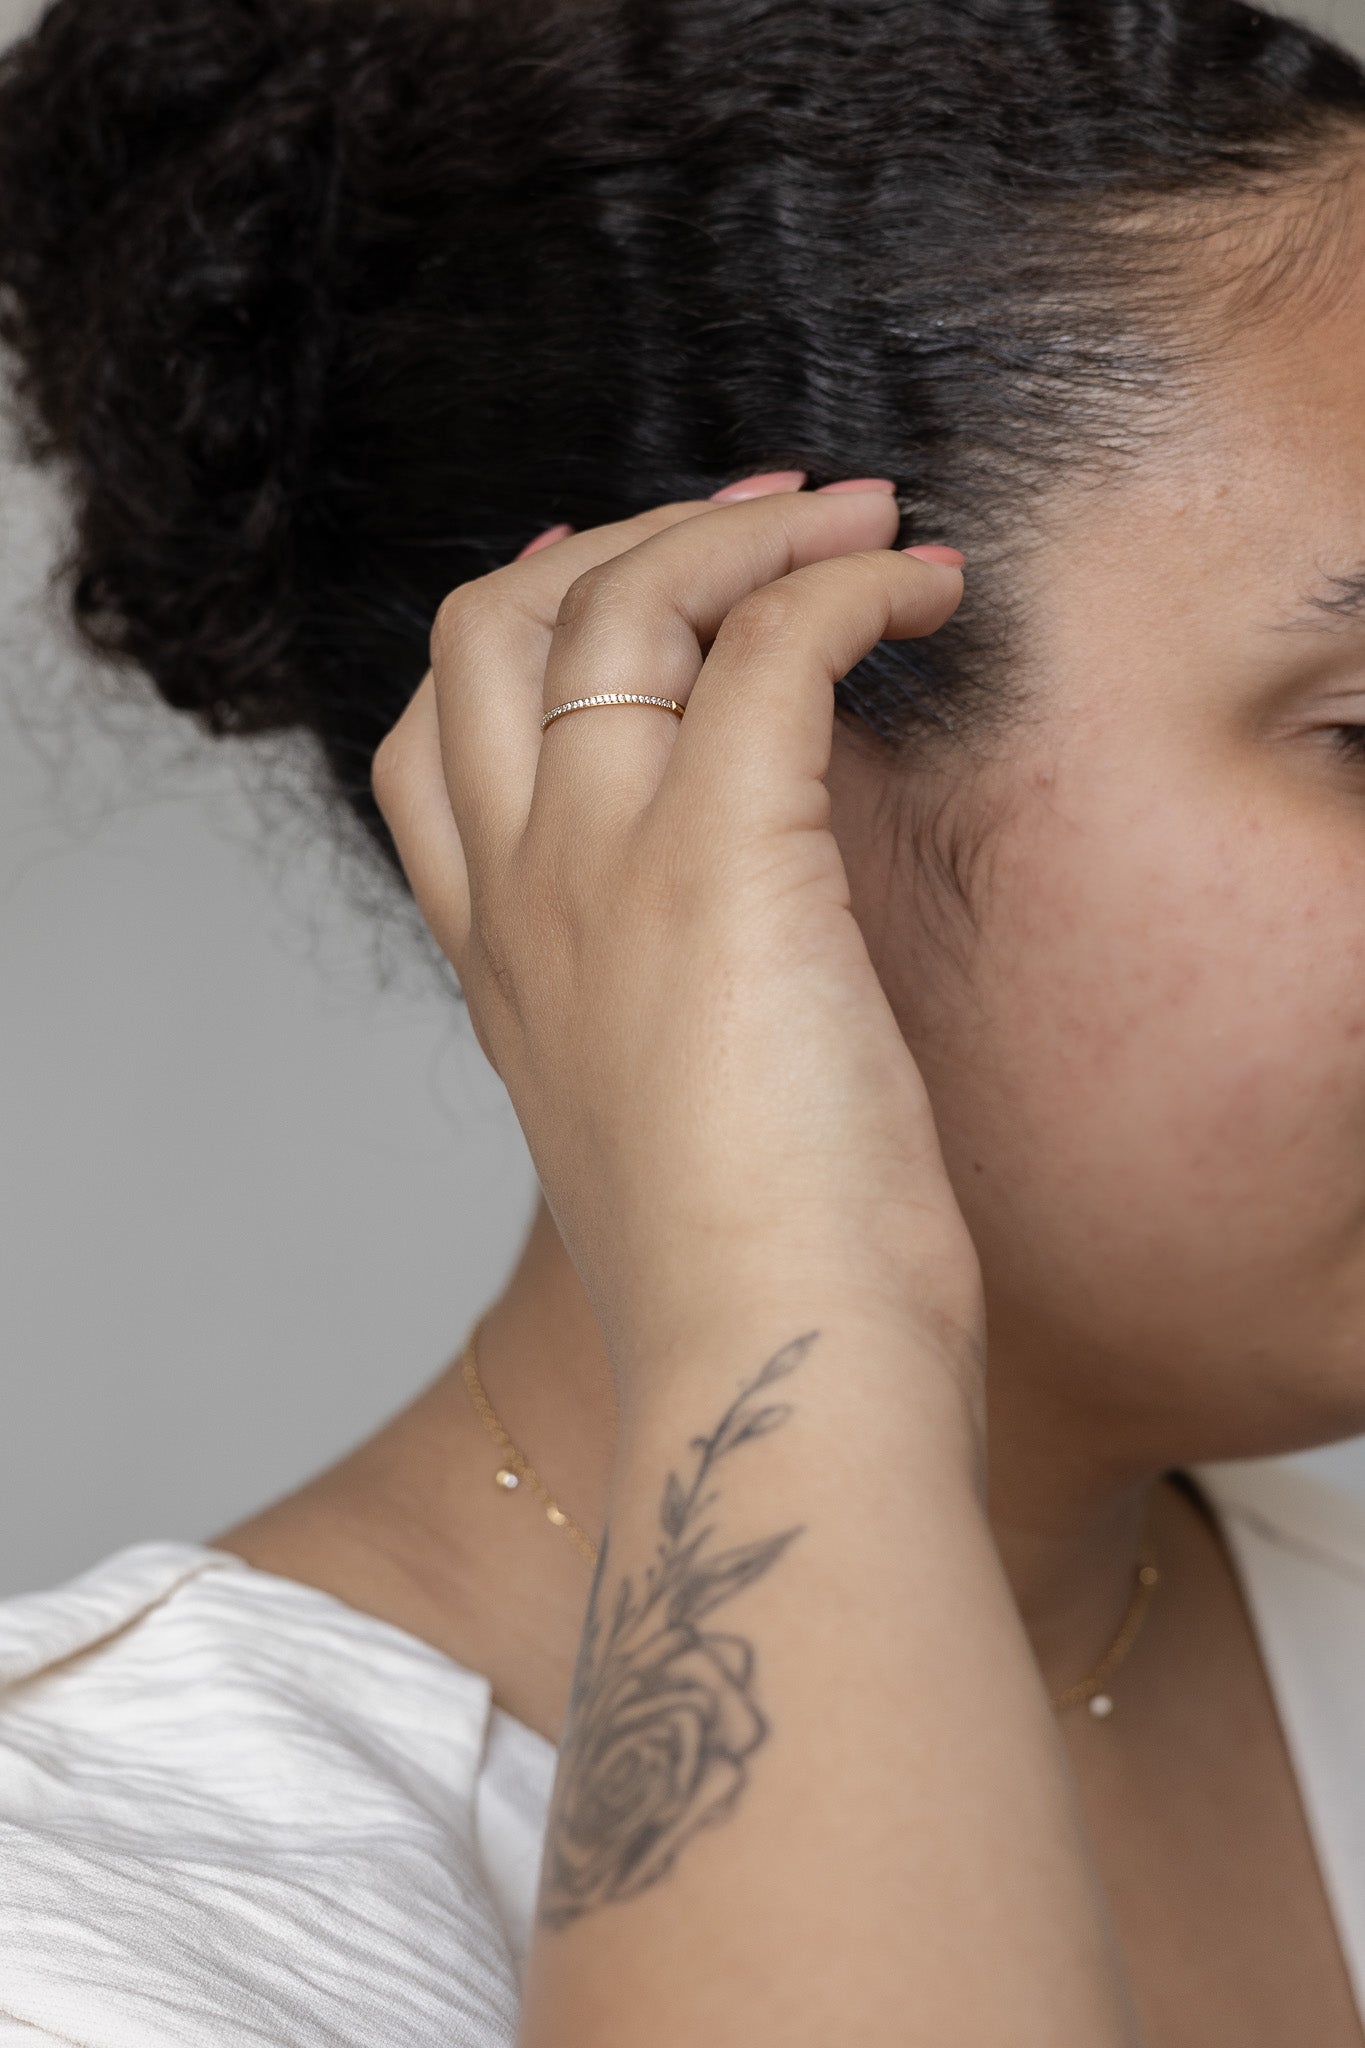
650,918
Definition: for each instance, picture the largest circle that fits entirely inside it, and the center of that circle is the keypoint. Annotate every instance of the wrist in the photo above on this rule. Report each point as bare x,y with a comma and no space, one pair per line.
865,1365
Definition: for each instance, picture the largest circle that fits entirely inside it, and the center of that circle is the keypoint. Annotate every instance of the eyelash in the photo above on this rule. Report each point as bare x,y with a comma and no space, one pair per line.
1348,741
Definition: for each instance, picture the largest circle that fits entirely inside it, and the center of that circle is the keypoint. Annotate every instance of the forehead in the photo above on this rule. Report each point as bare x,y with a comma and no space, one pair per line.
1276,413
1171,582
1254,484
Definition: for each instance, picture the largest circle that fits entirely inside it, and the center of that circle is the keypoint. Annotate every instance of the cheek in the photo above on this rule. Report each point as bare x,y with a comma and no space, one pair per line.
1161,1082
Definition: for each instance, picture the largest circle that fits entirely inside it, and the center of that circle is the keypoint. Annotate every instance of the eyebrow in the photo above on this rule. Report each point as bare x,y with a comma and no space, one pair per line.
1337,603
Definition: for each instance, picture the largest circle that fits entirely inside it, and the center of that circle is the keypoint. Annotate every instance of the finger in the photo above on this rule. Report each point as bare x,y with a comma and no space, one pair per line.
764,485
760,721
642,622
488,652
488,649
410,789
545,540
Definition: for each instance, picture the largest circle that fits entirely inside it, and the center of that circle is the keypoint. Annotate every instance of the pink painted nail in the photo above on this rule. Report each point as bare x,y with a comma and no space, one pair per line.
765,486
545,540
932,552
861,483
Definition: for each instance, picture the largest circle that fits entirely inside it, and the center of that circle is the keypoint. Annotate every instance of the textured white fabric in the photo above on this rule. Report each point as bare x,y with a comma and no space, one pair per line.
235,1812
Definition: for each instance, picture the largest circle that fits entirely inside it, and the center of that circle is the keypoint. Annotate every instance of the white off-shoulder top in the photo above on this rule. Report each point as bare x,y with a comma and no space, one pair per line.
234,1810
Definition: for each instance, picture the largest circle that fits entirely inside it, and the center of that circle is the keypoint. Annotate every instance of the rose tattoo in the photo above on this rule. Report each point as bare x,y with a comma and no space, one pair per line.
661,1719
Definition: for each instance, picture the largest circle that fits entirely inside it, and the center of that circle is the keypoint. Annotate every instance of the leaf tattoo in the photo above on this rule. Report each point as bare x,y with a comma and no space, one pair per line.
662,1720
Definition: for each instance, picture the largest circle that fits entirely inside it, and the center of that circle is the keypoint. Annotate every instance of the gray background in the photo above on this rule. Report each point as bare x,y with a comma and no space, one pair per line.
256,1177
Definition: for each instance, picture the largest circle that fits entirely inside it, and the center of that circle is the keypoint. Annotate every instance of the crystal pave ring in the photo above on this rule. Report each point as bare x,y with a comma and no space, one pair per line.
609,697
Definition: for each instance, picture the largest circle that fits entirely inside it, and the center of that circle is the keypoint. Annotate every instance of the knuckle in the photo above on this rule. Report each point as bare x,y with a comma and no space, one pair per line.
775,612
599,590
459,620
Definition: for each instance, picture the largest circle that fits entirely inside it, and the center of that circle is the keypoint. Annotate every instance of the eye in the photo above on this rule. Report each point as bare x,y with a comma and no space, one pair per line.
1347,740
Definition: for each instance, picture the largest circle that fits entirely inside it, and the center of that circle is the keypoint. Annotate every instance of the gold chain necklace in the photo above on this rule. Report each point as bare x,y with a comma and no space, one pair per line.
514,1467
1092,1691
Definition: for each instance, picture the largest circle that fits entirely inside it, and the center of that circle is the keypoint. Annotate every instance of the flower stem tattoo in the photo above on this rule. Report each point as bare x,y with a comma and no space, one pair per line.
662,1720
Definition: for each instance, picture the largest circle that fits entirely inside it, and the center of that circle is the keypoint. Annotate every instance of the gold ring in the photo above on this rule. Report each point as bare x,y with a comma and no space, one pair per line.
609,697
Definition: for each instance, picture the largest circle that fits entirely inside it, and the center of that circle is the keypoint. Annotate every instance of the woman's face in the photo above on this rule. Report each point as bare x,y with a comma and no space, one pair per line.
1147,1049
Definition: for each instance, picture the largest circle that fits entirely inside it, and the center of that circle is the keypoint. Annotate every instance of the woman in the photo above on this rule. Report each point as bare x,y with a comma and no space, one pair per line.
1023,996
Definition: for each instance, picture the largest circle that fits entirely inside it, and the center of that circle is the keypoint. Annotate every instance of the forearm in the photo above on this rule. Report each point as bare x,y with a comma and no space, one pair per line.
810,1789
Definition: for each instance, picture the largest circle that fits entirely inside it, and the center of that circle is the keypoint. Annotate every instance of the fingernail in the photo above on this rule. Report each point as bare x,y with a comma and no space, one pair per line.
544,540
765,486
932,552
861,483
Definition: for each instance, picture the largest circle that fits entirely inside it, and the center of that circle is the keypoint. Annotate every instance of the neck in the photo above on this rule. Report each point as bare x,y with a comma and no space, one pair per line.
545,1370
390,1527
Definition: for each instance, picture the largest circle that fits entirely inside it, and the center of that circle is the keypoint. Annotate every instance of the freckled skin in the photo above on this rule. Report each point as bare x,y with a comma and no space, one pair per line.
1148,1066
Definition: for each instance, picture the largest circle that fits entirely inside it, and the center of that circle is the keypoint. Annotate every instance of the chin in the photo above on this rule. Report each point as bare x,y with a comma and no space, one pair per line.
1301,1409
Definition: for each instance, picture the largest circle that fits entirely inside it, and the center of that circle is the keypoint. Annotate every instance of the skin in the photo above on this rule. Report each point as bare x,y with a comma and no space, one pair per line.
1144,1046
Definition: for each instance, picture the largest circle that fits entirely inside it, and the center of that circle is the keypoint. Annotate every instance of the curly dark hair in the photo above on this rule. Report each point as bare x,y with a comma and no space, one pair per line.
325,306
